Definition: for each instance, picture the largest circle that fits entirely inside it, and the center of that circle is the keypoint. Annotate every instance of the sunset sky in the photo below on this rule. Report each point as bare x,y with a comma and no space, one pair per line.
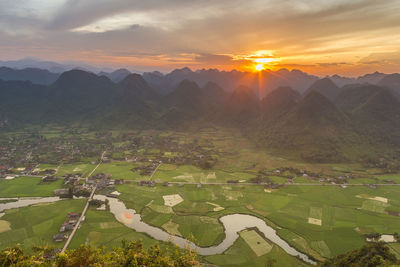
316,36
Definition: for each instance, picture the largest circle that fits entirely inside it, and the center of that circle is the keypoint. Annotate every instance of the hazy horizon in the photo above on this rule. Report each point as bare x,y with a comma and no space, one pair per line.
70,65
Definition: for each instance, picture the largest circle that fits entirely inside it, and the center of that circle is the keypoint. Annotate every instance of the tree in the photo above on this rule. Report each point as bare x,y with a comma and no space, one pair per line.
371,255
130,254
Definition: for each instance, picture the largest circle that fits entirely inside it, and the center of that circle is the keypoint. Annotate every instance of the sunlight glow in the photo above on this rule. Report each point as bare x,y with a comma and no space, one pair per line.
259,67
264,60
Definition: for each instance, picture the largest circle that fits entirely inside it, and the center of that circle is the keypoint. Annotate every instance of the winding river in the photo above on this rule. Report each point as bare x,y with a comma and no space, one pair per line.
25,201
233,224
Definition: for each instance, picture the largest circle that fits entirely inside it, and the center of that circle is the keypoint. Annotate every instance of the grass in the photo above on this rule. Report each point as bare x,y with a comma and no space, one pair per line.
28,187
205,230
321,248
4,226
161,209
240,254
287,208
101,229
43,167
189,173
171,228
373,205
120,170
258,244
35,225
316,213
83,168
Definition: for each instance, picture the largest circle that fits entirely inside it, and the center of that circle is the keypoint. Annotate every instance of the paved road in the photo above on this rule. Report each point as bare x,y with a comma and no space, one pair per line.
263,184
95,168
79,222
155,170
84,209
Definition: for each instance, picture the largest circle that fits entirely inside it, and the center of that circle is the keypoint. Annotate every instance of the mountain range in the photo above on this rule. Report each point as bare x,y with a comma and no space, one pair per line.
261,82
314,119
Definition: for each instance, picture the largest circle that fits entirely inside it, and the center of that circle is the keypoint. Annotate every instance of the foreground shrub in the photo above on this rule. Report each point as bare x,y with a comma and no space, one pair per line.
371,255
129,254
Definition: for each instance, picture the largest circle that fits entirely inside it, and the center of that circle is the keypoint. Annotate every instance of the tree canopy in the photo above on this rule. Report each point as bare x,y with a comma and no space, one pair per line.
130,253
371,255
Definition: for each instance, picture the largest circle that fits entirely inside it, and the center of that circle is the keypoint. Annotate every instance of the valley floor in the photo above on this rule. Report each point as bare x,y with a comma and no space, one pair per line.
184,182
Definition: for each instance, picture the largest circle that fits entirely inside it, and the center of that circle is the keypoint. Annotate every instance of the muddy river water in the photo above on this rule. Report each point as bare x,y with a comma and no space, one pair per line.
233,224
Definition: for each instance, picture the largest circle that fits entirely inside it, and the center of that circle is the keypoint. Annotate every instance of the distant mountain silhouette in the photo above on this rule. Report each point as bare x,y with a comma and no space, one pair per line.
279,102
117,75
36,63
314,127
134,86
262,82
354,95
375,112
242,106
49,65
392,82
341,81
372,78
33,75
325,87
188,97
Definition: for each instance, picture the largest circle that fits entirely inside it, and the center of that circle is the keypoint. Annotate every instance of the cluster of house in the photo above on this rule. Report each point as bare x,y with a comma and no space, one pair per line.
146,169
29,170
73,186
5,154
387,165
63,193
178,153
68,225
30,149
103,181
49,178
4,170
72,179
149,183
291,173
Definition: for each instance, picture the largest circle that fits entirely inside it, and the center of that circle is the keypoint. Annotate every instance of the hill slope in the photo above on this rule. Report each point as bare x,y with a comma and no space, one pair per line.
362,120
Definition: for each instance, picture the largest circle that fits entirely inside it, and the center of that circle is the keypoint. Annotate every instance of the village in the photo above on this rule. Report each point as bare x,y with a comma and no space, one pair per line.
23,154
28,154
147,171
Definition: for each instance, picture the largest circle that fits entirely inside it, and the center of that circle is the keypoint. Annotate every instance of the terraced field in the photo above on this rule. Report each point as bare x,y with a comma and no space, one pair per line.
341,212
319,218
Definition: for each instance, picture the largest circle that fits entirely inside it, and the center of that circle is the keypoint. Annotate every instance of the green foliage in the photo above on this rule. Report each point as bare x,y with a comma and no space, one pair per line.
130,254
370,255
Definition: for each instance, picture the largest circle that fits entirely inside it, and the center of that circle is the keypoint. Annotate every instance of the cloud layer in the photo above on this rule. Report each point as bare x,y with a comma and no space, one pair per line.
323,37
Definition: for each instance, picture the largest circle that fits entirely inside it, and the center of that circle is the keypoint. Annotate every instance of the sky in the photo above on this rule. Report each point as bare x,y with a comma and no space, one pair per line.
322,37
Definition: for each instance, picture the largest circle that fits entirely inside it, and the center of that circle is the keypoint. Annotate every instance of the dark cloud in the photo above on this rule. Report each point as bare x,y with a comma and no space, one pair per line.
332,64
294,65
382,58
75,13
205,31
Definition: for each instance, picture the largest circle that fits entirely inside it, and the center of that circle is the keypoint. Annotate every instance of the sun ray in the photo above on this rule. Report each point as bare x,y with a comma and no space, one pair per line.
259,67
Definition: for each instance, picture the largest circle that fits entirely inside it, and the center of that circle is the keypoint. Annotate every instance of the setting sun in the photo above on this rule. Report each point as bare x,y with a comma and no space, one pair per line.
259,67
